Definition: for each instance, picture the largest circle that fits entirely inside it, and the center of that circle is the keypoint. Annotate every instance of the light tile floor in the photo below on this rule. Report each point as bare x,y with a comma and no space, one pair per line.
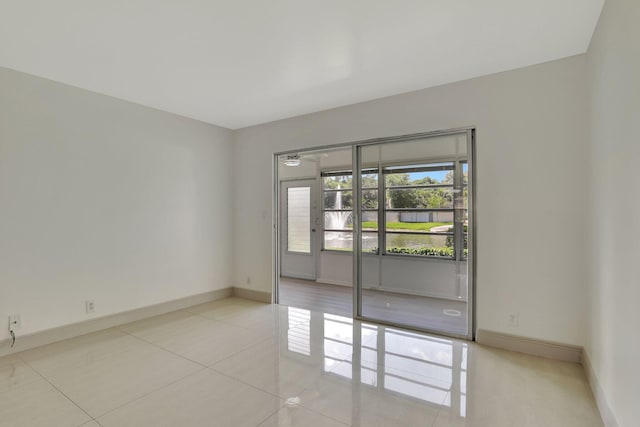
400,309
239,363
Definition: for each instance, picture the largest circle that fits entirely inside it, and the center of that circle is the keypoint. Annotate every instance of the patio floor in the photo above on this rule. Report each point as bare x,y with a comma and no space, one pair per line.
417,311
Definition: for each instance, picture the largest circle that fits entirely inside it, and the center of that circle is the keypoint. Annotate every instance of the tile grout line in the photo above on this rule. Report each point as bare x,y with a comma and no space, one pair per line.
247,384
240,351
347,360
270,415
211,319
186,358
322,380
209,367
56,388
262,340
314,411
435,419
149,393
275,395
282,405
223,321
318,412
190,309
251,385
160,347
203,367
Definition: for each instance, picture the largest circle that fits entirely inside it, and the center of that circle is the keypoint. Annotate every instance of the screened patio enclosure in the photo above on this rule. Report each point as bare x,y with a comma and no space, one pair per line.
392,241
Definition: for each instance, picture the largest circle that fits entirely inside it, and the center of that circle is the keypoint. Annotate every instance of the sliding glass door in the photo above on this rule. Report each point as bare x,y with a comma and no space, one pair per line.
413,228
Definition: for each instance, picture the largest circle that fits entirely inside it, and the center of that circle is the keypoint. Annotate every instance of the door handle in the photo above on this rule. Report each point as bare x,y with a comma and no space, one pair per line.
313,229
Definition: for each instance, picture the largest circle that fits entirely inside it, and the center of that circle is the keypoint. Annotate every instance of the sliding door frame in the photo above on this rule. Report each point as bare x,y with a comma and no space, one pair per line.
357,225
357,232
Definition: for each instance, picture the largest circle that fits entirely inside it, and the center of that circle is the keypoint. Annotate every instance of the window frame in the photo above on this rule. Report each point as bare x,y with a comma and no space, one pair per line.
324,191
417,167
463,235
457,208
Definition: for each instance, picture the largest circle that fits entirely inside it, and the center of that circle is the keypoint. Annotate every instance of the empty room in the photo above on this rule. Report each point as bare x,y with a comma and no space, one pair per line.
303,213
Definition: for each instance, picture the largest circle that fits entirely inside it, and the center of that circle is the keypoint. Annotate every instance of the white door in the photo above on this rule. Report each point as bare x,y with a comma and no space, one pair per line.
297,225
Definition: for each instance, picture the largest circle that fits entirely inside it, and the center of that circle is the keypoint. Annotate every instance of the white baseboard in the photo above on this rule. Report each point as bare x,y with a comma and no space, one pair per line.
548,349
322,280
606,413
333,282
252,294
48,336
419,294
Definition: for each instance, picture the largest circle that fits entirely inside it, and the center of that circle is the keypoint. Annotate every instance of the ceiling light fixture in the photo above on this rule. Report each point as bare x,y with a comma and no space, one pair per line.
292,160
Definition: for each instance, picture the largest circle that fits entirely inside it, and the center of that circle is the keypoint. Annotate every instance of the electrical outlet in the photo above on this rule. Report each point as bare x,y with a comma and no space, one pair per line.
15,322
90,306
513,320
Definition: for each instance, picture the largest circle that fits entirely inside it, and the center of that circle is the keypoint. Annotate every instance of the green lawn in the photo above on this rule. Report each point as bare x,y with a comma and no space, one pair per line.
413,226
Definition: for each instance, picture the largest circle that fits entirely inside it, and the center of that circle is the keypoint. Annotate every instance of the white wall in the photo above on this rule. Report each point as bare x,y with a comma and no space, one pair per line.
531,132
413,276
613,343
107,200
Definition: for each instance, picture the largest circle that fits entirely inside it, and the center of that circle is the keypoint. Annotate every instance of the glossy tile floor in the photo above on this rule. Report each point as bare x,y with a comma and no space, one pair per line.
403,309
239,363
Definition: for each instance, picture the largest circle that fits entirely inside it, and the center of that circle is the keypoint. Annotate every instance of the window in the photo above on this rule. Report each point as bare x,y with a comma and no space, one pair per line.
370,209
337,212
419,209
464,208
424,210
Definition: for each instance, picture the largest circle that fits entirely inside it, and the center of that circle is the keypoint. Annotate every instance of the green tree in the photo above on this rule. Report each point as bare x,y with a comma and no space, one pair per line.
421,198
433,198
448,178
400,198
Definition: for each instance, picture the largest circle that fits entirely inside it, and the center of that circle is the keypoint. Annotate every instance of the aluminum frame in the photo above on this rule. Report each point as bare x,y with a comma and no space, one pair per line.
357,273
471,269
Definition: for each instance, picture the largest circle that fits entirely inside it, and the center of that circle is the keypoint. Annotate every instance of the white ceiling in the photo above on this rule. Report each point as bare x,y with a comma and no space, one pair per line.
236,63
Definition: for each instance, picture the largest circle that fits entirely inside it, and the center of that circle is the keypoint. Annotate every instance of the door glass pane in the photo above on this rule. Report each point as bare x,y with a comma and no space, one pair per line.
299,219
418,275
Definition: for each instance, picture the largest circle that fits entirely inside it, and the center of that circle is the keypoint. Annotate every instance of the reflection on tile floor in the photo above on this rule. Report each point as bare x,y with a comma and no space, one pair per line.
435,314
238,363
